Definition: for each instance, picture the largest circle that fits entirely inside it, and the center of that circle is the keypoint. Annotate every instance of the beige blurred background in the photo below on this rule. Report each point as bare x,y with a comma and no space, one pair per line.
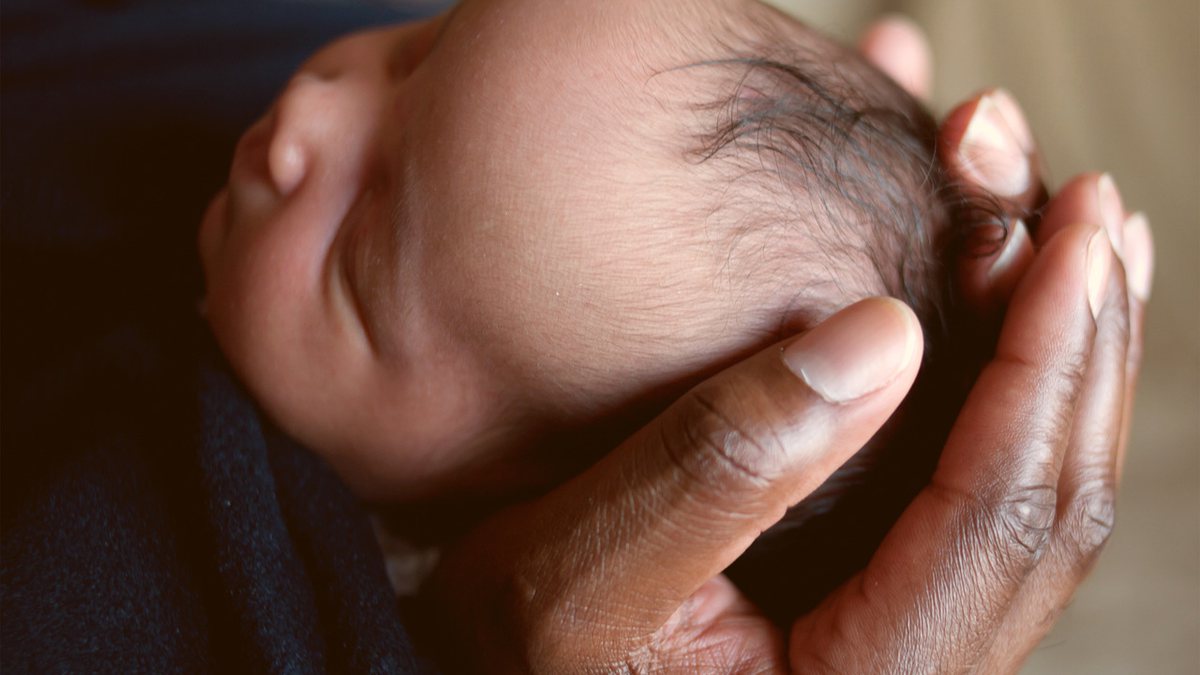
1111,85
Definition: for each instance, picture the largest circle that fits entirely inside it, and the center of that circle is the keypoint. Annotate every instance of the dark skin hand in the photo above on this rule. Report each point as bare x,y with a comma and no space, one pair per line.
620,568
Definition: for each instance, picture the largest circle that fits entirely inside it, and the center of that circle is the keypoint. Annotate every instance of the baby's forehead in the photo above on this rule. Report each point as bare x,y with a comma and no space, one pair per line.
725,119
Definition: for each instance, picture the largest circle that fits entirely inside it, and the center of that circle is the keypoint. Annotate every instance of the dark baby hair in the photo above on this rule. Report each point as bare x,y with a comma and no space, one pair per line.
828,153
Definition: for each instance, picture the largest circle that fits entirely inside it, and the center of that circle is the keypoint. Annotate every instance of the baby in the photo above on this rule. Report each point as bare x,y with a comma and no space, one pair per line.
460,259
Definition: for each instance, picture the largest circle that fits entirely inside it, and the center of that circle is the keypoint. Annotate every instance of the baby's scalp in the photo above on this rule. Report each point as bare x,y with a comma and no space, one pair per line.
509,237
831,192
826,181
812,181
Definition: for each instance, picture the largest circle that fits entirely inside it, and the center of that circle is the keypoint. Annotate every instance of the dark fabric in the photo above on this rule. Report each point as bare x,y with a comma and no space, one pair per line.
151,521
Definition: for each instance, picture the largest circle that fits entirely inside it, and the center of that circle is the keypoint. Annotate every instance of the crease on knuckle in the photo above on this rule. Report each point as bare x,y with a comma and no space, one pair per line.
1021,521
1055,381
712,441
1069,366
1013,525
655,655
634,663
1088,522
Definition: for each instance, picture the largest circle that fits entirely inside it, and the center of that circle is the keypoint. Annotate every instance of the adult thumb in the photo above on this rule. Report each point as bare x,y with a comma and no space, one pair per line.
617,550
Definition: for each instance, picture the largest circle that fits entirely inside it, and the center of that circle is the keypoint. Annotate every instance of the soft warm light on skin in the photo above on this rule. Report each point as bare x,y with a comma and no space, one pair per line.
454,236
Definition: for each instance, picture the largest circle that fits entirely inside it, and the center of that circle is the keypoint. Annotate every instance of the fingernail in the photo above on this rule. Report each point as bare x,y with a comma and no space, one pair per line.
992,153
1014,117
1015,247
857,351
1139,256
1099,260
1112,211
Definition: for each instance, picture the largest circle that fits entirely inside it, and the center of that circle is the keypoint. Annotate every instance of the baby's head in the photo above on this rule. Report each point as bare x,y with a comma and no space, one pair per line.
449,244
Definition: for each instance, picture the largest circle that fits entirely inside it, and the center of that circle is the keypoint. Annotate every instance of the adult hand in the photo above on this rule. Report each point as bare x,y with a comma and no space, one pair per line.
619,569
987,143
984,560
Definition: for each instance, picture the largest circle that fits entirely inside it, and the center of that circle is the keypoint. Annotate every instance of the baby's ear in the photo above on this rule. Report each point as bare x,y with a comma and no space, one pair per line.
898,47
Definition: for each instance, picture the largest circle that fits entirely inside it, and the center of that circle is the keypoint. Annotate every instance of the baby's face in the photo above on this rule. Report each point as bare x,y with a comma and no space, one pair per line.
446,239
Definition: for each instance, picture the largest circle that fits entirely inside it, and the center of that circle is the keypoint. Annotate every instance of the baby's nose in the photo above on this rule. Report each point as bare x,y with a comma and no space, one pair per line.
325,117
301,120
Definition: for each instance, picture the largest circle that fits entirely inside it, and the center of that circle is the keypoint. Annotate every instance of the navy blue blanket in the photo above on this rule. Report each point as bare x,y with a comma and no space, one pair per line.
152,522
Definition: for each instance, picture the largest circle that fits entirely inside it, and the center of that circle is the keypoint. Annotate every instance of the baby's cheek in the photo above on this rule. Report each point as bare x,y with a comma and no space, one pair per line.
267,313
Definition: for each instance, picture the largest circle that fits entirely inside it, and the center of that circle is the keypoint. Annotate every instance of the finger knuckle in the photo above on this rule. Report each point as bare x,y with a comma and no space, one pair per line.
716,439
1055,386
1018,524
1088,522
